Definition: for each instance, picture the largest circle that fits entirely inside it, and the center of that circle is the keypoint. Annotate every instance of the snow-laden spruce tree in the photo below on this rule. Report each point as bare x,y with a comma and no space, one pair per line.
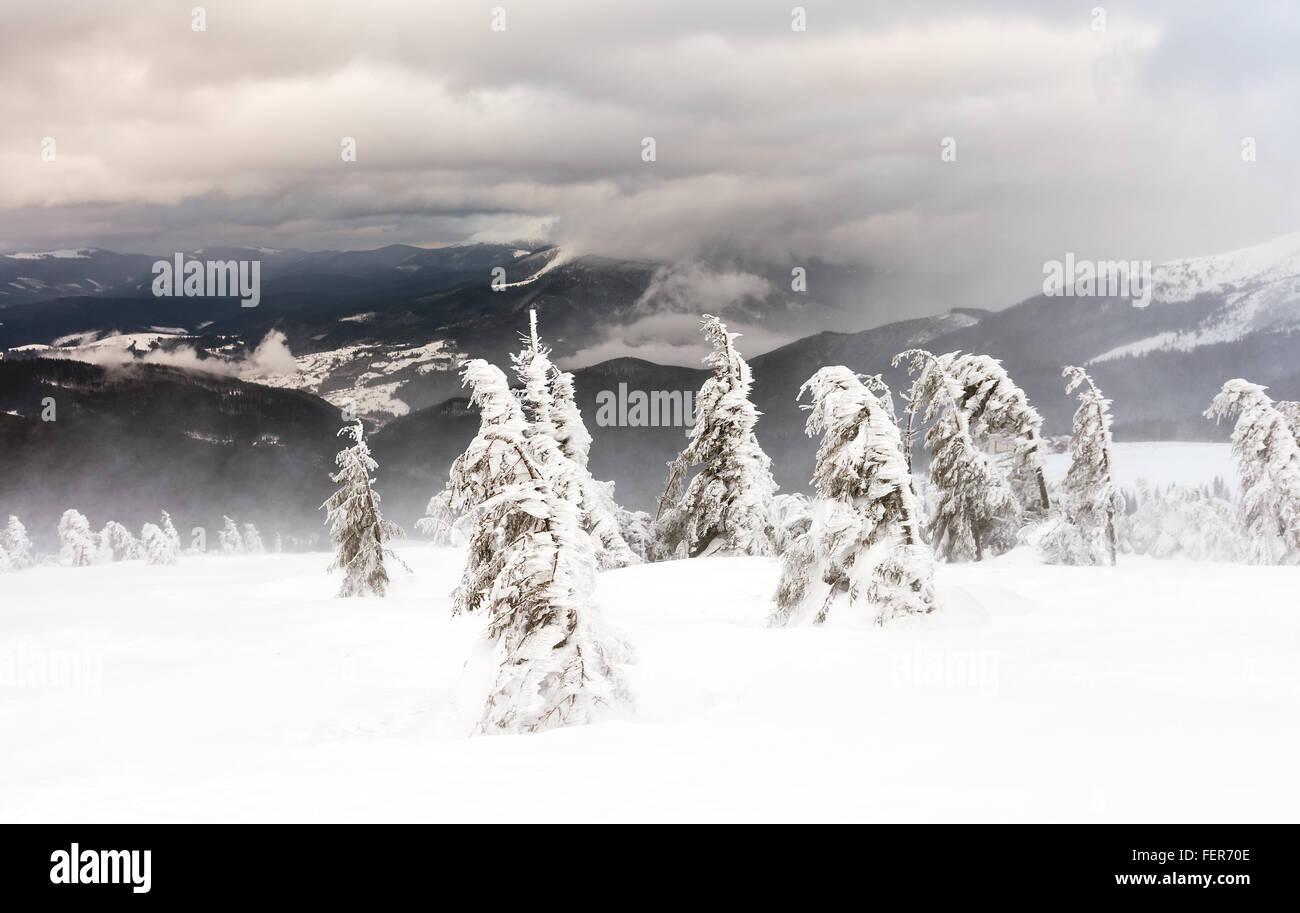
864,549
726,507
252,540
169,533
1084,530
232,543
1268,464
160,543
976,509
6,563
996,408
357,527
118,543
531,569
552,413
14,541
78,546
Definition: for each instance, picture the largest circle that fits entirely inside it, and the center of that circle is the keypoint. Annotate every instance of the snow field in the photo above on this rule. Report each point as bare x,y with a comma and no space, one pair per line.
240,689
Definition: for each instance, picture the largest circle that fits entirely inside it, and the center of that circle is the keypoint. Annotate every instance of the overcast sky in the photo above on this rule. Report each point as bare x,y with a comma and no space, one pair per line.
771,143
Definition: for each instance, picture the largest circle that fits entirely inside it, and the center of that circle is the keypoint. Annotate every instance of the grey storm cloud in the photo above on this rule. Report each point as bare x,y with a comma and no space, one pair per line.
822,145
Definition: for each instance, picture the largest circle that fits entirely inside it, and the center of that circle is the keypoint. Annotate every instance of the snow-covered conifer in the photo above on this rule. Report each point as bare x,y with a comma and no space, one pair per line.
570,430
977,512
726,507
252,540
531,568
357,527
78,546
552,415
1268,463
160,542
14,541
232,543
1084,530
864,548
118,543
996,408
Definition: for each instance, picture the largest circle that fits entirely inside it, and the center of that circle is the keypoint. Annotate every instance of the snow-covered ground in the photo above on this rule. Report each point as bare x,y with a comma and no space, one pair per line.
240,689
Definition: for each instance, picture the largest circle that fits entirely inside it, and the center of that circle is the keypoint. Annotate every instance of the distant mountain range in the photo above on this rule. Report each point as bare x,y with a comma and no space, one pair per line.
384,331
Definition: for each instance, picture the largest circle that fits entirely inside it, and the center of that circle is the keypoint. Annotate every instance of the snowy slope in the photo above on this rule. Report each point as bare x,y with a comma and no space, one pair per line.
1259,287
239,689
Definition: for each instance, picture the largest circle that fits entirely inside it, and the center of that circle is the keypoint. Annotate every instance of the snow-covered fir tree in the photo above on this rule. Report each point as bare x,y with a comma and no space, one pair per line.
169,531
18,548
531,569
159,542
976,510
357,527
570,430
154,544
117,542
996,408
864,548
1268,464
232,543
726,507
252,540
552,413
78,546
1084,530
1183,522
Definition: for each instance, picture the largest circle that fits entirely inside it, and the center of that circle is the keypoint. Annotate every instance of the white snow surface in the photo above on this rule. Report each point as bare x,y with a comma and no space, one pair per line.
241,689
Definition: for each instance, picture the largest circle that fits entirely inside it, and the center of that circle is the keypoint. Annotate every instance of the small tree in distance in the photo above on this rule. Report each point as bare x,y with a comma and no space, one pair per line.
357,527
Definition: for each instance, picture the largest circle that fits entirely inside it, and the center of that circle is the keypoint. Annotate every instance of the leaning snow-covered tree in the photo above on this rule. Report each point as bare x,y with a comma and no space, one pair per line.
864,548
232,543
552,414
359,530
160,542
726,507
1268,463
997,409
78,546
14,541
531,569
1083,532
118,543
976,510
170,533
